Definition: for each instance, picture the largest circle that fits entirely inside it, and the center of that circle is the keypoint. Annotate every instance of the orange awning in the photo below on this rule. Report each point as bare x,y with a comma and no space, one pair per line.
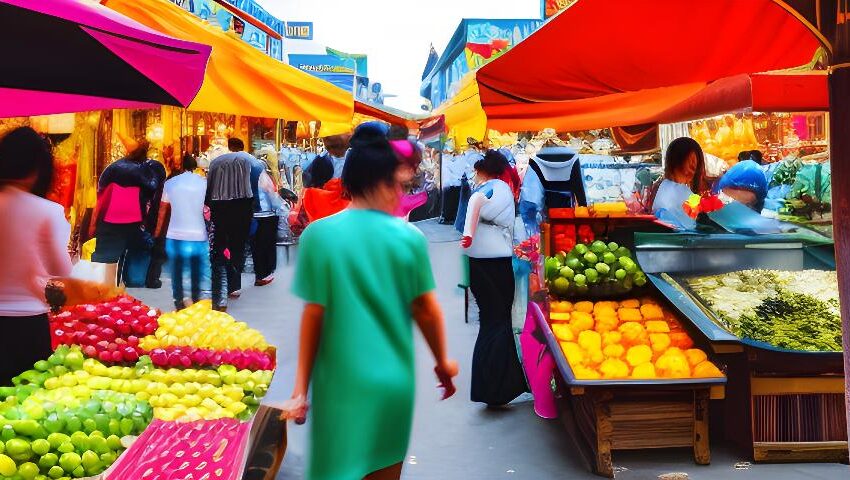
602,63
387,114
241,79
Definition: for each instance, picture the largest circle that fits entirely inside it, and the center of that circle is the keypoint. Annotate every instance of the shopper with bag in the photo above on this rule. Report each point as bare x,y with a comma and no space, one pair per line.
264,242
364,274
33,248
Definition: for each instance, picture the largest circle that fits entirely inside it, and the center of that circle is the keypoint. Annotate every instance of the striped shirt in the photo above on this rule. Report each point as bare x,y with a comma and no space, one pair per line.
229,177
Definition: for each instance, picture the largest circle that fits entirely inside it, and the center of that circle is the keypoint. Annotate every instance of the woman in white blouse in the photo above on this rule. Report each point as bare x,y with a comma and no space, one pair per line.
497,376
33,248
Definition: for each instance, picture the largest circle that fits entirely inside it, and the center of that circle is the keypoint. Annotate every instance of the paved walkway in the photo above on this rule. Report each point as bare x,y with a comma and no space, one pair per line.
456,439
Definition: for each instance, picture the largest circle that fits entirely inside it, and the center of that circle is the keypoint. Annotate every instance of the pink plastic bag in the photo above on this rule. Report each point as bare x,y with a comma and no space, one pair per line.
538,362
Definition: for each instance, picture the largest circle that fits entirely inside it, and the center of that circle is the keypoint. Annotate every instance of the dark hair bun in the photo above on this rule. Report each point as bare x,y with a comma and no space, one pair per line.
369,133
493,163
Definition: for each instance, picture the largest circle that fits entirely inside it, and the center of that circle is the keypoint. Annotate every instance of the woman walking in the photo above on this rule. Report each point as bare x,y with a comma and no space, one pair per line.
363,274
33,248
497,376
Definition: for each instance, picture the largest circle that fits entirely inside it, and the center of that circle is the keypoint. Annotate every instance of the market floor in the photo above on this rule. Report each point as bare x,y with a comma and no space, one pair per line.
457,439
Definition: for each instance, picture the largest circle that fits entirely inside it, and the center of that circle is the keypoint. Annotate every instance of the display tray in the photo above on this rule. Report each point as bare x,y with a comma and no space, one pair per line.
570,379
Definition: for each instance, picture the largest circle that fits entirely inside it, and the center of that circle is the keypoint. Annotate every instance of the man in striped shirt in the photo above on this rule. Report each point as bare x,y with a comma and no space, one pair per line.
230,199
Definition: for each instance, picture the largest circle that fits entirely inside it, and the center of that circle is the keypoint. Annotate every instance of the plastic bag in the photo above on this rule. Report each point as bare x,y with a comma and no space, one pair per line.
746,175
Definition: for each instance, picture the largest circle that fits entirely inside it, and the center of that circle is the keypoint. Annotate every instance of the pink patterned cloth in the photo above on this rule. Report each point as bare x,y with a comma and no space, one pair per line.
538,362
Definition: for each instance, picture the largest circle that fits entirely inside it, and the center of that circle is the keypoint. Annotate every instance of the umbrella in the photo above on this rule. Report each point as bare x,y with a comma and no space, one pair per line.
67,55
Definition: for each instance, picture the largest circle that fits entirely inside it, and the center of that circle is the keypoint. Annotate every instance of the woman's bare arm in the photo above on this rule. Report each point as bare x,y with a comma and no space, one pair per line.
429,318
311,332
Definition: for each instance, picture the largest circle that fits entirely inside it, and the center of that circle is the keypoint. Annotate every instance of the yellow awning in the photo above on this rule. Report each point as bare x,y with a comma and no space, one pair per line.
463,113
241,79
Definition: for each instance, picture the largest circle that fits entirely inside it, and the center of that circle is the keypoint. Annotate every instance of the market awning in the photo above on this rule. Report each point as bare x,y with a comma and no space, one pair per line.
614,62
387,114
67,56
463,115
241,79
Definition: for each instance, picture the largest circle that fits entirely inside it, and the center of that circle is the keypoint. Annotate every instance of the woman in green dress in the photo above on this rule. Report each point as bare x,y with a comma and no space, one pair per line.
364,275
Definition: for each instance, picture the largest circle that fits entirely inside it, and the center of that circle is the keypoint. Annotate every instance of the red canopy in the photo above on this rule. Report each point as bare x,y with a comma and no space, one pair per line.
621,62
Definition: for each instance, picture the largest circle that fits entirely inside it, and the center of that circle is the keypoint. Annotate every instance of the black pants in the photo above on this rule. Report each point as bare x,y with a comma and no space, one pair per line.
231,221
264,247
497,376
113,239
158,259
25,340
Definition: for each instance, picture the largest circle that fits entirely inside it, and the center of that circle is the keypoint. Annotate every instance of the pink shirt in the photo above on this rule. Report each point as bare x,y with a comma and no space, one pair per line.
33,248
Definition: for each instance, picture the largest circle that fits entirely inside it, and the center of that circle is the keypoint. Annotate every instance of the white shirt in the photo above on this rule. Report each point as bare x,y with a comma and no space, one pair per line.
186,193
33,248
490,221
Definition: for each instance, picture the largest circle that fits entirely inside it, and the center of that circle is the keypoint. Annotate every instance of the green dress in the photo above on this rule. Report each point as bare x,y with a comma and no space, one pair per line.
366,268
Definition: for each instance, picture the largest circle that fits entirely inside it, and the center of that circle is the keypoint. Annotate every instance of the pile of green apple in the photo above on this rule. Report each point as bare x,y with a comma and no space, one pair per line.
596,270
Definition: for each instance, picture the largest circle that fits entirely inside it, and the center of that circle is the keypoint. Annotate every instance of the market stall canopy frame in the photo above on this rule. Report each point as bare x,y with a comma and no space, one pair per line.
67,56
239,78
603,62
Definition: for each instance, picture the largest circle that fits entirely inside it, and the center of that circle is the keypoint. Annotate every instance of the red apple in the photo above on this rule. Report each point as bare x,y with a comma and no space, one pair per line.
133,340
90,351
107,333
117,356
104,356
130,354
102,345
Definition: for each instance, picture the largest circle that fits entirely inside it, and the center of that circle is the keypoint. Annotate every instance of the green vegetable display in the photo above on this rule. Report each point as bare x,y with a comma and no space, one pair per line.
794,310
596,270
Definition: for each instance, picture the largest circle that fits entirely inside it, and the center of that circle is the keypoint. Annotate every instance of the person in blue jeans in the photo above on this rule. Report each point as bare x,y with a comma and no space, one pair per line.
187,241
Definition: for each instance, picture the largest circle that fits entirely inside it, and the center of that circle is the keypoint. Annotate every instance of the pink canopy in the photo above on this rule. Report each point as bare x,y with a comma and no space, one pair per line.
67,55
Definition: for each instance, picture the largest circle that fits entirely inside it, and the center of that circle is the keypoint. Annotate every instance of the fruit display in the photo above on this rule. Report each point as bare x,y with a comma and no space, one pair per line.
609,209
630,339
65,417
598,269
200,326
211,449
109,331
797,310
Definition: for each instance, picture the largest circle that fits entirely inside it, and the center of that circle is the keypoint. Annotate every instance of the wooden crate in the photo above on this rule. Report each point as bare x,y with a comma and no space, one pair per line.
604,419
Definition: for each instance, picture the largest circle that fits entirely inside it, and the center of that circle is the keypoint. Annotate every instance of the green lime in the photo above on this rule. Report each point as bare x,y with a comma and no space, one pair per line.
580,279
603,268
581,248
40,446
612,246
592,275
57,439
7,433
80,441
48,460
73,424
623,252
28,470
598,246
91,461
18,449
108,458
98,445
620,274
89,426
590,258
69,461
609,258
114,442
567,272
42,365
574,263
55,472
66,447
561,285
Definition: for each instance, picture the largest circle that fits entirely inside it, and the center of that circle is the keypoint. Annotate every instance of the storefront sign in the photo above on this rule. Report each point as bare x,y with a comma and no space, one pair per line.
299,30
552,7
321,64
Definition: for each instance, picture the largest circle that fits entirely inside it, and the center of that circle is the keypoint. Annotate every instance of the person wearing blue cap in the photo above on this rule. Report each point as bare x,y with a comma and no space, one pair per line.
744,182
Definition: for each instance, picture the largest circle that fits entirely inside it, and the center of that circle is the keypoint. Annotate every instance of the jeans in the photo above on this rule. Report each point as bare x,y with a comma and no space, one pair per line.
231,221
187,258
264,247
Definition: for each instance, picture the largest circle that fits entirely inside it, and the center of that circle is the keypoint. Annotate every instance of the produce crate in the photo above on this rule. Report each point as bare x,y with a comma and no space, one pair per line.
620,229
781,405
607,415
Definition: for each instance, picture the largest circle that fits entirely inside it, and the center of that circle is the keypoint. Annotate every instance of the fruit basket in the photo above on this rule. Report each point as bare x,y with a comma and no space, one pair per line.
597,270
118,365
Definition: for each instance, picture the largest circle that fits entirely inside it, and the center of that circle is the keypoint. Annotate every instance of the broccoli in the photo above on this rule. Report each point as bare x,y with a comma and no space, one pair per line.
794,321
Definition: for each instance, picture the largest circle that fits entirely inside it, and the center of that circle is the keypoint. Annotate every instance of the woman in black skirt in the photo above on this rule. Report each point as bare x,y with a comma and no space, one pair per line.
33,247
497,376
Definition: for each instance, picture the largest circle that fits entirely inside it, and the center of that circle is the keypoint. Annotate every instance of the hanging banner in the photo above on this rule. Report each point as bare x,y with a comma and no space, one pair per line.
552,7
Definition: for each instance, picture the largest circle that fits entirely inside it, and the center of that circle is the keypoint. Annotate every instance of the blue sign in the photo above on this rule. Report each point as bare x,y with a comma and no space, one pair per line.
255,10
299,30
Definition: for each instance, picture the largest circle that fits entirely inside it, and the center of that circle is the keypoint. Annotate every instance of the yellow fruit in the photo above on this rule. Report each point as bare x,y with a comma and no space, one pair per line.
638,354
614,368
644,371
581,321
595,357
563,332
629,315
590,341
630,303
613,351
586,307
584,373
695,356
707,369
657,326
633,333
651,312
236,408
681,340
659,341
574,353
606,323
559,317
611,338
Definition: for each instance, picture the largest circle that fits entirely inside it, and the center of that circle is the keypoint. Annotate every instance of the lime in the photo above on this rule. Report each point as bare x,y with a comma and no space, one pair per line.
74,360
28,428
592,275
79,472
574,263
623,252
598,246
114,442
2,446
640,279
73,424
612,246
28,470
561,285
7,433
40,446
7,466
80,441
18,449
66,447
590,258
69,461
57,439
620,274
108,458
567,272
42,365
127,425
609,258
55,472
48,460
91,462
603,268
581,249
98,445
580,279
